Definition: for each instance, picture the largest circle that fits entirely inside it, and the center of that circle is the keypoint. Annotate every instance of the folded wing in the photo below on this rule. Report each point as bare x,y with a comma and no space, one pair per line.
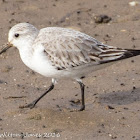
70,49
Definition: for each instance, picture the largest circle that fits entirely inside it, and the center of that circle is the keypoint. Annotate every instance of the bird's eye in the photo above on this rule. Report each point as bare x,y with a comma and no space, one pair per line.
16,35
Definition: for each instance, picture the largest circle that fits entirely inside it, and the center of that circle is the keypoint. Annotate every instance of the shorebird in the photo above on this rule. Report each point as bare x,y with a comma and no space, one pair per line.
62,53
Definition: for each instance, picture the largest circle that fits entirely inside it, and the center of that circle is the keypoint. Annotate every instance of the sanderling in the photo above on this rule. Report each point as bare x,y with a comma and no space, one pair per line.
62,53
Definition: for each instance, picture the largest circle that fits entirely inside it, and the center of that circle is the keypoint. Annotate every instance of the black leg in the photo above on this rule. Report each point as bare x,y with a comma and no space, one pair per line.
32,105
82,86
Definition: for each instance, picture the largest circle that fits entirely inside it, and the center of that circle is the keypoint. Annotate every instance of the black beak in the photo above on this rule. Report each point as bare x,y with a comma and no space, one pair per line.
6,47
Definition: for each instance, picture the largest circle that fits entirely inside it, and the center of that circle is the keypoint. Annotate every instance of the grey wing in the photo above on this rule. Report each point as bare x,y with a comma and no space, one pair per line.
69,51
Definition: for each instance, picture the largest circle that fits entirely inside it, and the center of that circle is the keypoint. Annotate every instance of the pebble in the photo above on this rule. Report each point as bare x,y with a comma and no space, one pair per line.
43,126
102,19
134,87
134,3
110,107
122,84
76,101
132,61
125,108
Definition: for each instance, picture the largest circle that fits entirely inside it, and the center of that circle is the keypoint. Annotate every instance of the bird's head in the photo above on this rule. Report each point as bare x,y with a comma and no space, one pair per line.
21,35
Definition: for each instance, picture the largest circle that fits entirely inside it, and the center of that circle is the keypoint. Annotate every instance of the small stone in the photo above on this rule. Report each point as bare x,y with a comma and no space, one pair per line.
38,88
122,84
125,108
96,35
110,135
123,30
11,20
32,72
133,38
79,24
123,118
13,13
78,12
43,126
132,61
110,107
134,3
103,125
77,101
102,19
113,137
58,106
134,87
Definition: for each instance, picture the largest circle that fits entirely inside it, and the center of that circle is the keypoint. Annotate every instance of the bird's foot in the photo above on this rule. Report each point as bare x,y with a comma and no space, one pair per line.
31,105
82,108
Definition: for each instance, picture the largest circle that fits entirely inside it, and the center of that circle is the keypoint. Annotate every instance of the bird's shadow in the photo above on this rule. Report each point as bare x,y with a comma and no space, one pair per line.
121,97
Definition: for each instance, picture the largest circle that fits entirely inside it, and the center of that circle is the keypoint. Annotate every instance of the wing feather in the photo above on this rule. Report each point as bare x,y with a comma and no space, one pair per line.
68,48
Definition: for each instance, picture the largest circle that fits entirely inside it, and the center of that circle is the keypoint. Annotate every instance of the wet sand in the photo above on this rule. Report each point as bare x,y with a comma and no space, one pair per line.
112,94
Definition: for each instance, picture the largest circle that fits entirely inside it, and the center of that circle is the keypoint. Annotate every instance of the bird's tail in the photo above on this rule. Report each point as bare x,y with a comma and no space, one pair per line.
127,53
130,53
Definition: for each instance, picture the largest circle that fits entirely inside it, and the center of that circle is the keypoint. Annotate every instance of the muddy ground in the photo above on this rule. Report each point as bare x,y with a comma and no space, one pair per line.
112,94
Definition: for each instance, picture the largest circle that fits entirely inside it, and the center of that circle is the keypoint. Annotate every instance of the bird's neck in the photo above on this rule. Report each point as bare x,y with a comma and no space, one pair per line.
26,54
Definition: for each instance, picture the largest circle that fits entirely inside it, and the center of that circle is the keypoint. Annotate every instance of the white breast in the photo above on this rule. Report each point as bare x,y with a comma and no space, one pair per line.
41,64
37,61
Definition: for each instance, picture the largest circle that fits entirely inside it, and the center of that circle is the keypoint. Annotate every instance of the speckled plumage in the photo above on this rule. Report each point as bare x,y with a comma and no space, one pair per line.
68,48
